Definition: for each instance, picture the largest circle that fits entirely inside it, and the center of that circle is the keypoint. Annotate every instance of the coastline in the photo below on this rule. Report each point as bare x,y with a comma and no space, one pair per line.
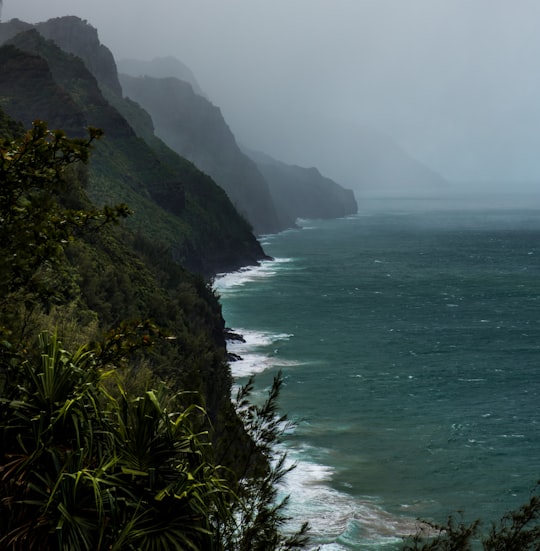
339,521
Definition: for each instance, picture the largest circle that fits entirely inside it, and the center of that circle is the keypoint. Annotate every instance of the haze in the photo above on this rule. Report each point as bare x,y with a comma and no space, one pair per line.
454,82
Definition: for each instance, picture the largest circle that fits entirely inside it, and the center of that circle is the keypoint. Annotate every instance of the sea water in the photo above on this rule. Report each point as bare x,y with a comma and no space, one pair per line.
409,343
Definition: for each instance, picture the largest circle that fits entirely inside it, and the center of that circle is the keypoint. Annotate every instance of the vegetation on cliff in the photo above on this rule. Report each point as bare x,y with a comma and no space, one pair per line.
173,202
116,423
116,433
517,530
193,127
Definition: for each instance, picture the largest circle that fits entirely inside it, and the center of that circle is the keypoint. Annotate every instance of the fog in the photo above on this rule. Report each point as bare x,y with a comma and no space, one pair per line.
455,83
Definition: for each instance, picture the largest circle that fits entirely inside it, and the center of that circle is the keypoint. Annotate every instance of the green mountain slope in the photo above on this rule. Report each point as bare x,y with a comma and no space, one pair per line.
303,192
91,282
174,203
193,127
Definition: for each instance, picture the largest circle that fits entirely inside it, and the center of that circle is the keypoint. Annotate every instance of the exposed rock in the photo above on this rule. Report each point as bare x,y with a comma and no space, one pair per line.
175,204
195,128
303,192
160,67
76,36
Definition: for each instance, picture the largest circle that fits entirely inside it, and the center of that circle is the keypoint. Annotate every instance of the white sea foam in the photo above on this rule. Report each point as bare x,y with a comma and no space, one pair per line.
337,519
230,281
254,352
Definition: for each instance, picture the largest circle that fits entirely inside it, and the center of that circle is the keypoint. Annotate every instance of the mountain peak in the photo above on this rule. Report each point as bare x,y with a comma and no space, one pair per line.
76,36
160,67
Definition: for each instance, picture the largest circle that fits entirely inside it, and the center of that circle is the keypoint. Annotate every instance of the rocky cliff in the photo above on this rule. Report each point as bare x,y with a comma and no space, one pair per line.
160,67
300,192
195,128
77,37
174,203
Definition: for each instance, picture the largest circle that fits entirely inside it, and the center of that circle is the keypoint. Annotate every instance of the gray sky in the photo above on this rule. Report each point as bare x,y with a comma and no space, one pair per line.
455,82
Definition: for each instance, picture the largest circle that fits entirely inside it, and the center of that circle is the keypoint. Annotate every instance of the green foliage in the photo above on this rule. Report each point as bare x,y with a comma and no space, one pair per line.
35,227
259,514
84,470
90,459
87,465
172,200
452,536
518,530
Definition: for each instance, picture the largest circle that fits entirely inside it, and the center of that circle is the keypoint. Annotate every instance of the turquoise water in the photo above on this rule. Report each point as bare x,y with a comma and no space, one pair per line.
410,345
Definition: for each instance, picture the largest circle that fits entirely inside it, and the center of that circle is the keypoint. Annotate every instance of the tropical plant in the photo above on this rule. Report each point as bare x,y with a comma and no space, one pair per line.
85,462
259,515
81,469
518,530
35,226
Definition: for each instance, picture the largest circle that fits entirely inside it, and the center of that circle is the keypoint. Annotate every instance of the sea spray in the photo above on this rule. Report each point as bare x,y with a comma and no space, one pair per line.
332,515
413,347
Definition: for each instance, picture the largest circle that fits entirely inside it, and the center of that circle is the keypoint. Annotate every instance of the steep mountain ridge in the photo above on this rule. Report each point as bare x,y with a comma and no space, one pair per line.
71,76
78,37
186,121
174,203
160,67
192,126
300,192
26,80
195,128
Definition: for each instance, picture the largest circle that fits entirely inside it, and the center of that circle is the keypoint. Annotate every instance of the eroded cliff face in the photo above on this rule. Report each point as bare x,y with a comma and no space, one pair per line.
174,202
77,90
195,128
300,192
76,36
29,92
160,67
271,194
83,89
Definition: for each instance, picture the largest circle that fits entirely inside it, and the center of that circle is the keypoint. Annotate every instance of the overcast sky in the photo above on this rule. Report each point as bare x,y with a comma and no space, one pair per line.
455,82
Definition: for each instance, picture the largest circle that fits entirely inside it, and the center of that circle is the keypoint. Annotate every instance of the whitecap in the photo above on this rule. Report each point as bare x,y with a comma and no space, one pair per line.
250,364
253,339
229,281
253,352
335,516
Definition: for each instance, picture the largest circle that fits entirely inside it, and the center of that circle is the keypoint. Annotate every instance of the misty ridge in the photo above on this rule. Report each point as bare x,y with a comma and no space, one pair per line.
178,113
195,128
387,98
362,158
412,114
380,165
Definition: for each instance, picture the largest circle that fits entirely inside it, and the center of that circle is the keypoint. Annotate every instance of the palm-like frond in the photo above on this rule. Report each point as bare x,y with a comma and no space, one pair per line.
82,470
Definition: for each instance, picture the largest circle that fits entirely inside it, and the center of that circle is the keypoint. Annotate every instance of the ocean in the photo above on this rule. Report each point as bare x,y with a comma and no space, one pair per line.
409,343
